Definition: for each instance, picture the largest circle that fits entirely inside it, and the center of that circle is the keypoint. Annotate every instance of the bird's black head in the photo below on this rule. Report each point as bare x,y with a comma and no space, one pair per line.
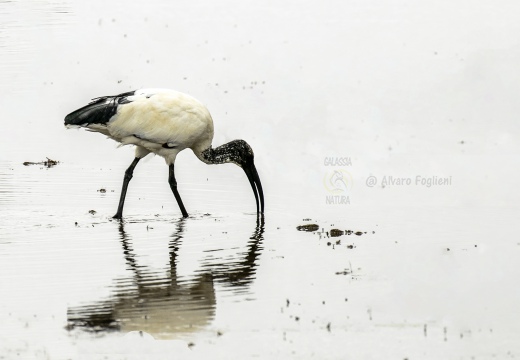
238,152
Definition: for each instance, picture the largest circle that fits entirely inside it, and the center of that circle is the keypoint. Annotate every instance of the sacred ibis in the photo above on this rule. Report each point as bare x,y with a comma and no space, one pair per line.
163,122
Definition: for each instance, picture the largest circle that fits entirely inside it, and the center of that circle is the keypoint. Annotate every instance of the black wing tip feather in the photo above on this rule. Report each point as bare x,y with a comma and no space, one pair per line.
98,111
103,98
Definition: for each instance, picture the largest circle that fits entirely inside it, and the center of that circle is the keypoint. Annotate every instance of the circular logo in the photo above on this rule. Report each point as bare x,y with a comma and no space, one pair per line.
337,181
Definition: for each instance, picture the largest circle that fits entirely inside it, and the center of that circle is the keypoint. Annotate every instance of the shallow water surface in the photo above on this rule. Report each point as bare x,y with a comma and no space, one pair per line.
75,280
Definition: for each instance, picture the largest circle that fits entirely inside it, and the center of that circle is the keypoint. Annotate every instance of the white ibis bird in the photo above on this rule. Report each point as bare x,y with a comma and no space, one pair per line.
163,122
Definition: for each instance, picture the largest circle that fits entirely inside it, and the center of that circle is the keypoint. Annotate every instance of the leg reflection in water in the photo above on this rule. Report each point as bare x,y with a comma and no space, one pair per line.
164,306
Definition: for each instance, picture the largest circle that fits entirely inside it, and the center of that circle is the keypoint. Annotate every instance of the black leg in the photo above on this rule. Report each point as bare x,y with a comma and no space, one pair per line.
173,186
128,176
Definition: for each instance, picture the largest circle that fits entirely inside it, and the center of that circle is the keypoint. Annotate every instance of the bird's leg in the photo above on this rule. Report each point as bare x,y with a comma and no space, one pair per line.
173,186
128,176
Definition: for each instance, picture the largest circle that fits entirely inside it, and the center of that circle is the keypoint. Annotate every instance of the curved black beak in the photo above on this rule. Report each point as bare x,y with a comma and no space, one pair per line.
254,180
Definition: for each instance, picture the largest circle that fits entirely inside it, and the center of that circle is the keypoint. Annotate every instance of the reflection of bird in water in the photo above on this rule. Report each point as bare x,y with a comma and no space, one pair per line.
145,302
168,305
338,181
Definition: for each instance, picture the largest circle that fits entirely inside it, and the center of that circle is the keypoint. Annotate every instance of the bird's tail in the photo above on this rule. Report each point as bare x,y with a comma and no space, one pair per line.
99,111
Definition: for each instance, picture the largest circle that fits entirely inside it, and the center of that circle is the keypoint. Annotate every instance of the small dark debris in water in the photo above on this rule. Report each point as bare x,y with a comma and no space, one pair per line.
348,232
306,220
190,345
308,227
48,163
358,233
448,249
288,302
344,272
338,242
297,318
373,232
328,243
350,246
92,212
102,190
462,142
219,333
328,327
336,232
76,223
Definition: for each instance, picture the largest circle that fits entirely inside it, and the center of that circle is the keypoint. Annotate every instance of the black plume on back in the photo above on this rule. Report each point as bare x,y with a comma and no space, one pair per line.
99,111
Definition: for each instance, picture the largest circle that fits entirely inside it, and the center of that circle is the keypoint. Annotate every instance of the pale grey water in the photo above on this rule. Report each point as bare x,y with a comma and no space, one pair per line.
400,90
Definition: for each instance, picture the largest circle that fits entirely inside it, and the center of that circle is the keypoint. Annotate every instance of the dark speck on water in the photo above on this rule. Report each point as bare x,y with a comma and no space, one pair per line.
336,232
48,163
308,227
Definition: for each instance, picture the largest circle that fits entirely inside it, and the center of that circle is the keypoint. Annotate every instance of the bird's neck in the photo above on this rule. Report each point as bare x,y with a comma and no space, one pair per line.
227,153
213,156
